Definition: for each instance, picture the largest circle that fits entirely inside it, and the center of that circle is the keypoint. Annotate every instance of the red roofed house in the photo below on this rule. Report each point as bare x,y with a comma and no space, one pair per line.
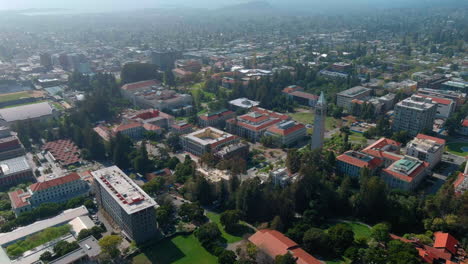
352,162
287,133
297,94
55,190
426,148
254,124
64,151
215,119
405,174
274,243
386,149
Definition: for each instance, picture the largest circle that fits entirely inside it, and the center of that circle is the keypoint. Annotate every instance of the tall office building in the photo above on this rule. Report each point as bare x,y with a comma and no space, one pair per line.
319,122
46,60
165,60
126,203
414,115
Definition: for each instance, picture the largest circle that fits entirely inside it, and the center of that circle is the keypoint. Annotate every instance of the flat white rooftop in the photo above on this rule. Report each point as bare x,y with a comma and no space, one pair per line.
66,216
124,190
208,136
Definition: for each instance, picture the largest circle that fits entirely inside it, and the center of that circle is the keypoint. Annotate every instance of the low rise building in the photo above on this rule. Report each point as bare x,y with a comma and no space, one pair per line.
63,151
458,97
254,124
287,133
461,183
385,149
150,94
181,128
464,127
455,86
215,119
10,145
405,174
56,190
297,94
345,98
14,171
126,204
243,103
274,243
38,111
207,140
426,148
352,162
282,177
150,116
236,150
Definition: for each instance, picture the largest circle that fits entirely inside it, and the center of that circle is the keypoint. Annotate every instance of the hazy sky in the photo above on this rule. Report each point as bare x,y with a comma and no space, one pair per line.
101,5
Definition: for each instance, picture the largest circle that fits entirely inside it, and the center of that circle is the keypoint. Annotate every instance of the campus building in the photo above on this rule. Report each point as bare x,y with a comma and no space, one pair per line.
414,115
150,116
254,124
207,140
14,171
126,204
352,162
346,97
458,97
405,174
426,148
150,94
215,119
274,243
297,94
10,146
181,128
56,190
64,151
445,107
287,133
385,149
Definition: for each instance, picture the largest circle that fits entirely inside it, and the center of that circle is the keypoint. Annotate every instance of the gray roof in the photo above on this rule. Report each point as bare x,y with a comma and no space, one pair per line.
14,165
24,112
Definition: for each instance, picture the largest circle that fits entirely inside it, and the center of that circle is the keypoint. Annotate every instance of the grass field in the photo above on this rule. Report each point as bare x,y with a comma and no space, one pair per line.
178,250
455,148
360,231
308,118
13,96
214,217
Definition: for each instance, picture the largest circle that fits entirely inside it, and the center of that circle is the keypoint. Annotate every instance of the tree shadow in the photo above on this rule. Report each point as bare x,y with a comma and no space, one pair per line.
240,230
163,252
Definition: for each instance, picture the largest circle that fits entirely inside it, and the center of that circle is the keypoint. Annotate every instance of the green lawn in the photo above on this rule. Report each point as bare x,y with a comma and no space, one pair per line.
13,96
360,230
178,250
308,118
455,148
214,217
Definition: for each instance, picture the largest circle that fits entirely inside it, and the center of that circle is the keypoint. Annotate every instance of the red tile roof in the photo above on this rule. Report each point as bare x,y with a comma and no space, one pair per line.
303,257
436,139
139,85
19,198
446,241
151,127
64,151
437,99
292,88
372,164
305,95
407,178
459,180
274,243
223,114
376,149
39,186
465,123
124,127
285,132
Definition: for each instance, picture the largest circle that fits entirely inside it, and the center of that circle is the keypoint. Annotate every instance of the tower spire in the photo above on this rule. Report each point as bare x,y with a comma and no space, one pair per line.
319,122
